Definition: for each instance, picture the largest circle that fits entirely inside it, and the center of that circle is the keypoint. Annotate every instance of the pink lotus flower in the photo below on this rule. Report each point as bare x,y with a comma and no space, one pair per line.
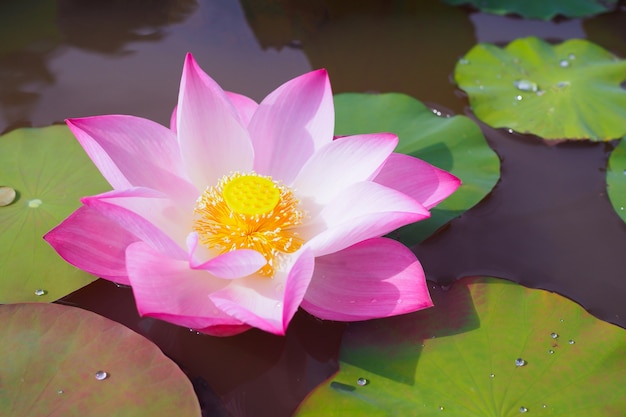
241,212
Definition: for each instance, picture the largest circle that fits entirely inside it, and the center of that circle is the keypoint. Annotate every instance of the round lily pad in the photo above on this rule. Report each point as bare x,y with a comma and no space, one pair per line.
489,348
454,144
567,91
65,361
48,171
616,179
541,9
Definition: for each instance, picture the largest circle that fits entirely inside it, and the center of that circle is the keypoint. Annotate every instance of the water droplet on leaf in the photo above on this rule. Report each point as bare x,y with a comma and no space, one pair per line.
550,351
362,381
554,335
523,409
101,375
525,85
59,392
441,408
39,292
571,342
564,63
518,98
520,362
7,196
34,203
492,375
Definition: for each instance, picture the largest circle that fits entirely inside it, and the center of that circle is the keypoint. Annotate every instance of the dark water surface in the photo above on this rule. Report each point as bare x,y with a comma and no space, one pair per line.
547,224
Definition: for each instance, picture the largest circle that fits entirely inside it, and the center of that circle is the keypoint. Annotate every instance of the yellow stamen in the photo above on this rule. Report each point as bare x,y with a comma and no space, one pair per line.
249,212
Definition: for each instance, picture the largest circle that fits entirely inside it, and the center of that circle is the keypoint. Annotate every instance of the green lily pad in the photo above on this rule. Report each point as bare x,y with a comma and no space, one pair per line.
489,348
541,9
454,144
616,179
65,361
566,91
49,171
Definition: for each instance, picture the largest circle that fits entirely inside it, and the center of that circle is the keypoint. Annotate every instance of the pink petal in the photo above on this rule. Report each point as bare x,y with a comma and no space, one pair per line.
375,278
225,330
268,303
362,211
341,163
229,265
167,289
134,152
298,280
173,120
149,215
93,243
291,123
416,178
212,137
244,105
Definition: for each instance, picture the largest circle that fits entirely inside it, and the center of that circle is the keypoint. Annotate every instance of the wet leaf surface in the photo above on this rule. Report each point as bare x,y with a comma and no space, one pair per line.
49,172
454,144
541,9
254,373
567,91
60,360
489,348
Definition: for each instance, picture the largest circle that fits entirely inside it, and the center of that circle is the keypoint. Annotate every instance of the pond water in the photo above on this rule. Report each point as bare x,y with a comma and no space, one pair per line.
547,224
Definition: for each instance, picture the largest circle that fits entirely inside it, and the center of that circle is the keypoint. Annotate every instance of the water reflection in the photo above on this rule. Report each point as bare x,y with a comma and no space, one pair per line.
109,25
29,25
547,224
607,30
41,30
504,29
88,58
371,45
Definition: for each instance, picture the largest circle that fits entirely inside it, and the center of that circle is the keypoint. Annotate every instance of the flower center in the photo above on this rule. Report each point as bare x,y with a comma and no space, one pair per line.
249,211
251,195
